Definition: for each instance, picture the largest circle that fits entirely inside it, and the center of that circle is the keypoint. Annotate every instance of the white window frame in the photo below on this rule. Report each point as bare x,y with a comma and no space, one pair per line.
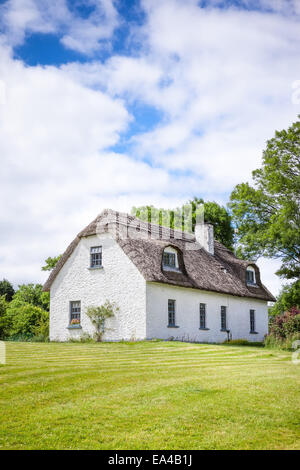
75,314
250,269
169,250
95,252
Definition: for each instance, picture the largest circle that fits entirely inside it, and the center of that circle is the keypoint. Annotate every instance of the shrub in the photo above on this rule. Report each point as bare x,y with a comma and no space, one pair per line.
4,324
26,319
284,329
287,324
98,315
275,342
289,297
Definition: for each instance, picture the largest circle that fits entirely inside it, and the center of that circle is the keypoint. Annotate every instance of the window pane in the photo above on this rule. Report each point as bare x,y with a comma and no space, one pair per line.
252,320
223,318
96,256
171,312
75,309
169,259
202,316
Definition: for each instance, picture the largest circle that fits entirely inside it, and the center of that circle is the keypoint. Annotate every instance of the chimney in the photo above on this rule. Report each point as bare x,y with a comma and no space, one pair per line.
204,234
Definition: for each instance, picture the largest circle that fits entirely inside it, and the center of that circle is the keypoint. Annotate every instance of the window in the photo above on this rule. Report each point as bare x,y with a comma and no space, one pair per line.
252,321
223,318
250,275
75,309
171,312
169,259
202,316
96,257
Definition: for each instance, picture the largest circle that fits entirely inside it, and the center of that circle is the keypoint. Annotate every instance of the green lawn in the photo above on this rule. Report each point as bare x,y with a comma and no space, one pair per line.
148,395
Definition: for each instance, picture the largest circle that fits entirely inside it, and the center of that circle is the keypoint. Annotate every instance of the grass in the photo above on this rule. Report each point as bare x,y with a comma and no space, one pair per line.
148,395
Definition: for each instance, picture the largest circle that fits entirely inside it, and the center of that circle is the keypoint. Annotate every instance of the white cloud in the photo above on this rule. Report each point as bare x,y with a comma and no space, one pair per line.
19,18
221,77
56,174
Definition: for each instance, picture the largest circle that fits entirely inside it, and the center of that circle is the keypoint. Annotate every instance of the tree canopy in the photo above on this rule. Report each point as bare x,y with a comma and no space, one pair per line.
6,289
32,294
288,298
213,213
267,213
50,263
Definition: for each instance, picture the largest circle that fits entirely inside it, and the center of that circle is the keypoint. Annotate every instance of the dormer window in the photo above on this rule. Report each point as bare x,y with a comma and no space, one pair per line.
170,259
250,275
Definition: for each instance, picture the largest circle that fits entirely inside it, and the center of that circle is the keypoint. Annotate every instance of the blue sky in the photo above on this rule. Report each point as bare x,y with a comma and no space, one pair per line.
107,103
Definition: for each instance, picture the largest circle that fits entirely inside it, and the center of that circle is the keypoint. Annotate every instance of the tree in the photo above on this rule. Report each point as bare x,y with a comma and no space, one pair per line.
288,298
7,289
25,319
98,315
213,213
51,263
3,317
32,294
267,215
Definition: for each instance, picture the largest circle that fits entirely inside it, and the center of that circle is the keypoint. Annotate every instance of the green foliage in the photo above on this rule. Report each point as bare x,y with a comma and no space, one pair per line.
213,213
41,329
51,263
27,314
6,289
276,342
98,315
243,342
268,215
289,297
4,324
287,324
26,319
32,294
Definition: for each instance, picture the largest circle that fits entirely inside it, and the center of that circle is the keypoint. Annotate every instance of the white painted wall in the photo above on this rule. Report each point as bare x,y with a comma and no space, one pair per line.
187,314
119,280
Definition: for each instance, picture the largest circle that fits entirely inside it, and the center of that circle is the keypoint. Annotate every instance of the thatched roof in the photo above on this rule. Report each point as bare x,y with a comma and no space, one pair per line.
144,243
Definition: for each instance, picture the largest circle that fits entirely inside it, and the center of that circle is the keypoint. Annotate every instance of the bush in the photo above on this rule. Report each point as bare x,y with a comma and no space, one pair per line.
4,324
284,329
283,326
275,342
27,320
289,297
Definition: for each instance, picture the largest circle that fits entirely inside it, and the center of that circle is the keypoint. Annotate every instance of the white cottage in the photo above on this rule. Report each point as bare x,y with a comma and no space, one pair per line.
167,284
